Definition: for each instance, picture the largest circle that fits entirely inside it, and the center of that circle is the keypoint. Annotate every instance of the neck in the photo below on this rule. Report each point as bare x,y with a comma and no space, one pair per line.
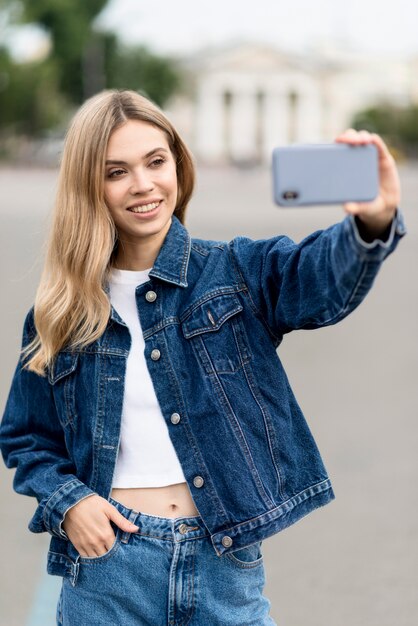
137,255
133,258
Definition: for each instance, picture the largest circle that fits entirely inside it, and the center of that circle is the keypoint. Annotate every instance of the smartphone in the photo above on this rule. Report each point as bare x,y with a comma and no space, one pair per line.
310,174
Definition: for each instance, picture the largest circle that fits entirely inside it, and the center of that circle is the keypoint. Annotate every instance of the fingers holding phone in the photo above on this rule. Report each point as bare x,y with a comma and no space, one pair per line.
377,214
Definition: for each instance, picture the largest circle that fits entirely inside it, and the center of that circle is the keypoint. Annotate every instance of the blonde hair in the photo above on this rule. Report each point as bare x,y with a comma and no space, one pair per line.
71,306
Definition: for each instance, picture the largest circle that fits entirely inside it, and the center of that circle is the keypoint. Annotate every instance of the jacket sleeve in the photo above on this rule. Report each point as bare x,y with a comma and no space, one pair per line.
316,282
32,441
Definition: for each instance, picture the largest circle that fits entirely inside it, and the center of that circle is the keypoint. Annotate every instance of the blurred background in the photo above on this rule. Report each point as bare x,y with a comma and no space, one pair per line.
238,79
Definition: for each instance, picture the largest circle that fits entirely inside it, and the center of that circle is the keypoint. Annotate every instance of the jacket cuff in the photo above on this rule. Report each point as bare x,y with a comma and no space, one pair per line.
377,249
67,496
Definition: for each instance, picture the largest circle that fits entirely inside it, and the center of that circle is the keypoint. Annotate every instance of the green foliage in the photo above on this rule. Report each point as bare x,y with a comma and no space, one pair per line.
29,99
138,69
69,23
37,96
397,125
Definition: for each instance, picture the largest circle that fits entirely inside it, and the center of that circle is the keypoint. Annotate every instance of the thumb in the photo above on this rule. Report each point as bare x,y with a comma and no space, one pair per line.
120,521
351,207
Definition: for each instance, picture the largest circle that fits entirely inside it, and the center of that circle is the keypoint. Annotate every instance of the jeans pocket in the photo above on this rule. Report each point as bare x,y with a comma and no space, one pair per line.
247,557
90,560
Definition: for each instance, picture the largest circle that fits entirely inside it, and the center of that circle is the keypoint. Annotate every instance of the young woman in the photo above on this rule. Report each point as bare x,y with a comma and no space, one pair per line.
149,413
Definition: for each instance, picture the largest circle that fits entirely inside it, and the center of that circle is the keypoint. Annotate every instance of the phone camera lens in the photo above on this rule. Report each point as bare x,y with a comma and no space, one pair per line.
290,195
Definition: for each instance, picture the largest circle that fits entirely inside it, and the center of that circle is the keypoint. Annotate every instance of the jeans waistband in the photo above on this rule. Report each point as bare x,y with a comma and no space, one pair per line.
174,529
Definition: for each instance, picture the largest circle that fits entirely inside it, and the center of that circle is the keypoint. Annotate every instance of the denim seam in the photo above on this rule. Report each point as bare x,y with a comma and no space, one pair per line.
216,502
263,412
242,564
54,379
69,404
223,398
48,506
284,508
100,416
104,557
110,350
190,588
174,278
168,321
346,307
277,338
207,297
206,250
210,329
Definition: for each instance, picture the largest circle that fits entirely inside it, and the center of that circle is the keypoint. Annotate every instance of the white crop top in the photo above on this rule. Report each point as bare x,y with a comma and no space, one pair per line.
146,456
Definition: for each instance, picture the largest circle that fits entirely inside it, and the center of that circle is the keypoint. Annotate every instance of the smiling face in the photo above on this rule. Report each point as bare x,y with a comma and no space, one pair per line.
140,188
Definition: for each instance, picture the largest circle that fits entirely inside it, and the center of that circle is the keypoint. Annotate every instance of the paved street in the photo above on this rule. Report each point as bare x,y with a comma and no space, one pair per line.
353,563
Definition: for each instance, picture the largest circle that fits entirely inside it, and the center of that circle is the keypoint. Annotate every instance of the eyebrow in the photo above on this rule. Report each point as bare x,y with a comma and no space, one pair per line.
146,156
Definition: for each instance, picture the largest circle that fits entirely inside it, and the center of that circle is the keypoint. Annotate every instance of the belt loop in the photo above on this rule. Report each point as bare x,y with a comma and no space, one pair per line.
125,536
74,572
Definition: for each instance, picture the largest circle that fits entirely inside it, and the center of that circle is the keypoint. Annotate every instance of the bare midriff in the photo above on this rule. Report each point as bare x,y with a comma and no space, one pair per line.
169,501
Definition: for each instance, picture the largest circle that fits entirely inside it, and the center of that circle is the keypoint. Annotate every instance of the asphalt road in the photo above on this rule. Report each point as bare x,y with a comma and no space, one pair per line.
353,563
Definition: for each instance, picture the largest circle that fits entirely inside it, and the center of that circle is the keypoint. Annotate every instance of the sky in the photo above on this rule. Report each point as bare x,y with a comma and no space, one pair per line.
178,26
182,26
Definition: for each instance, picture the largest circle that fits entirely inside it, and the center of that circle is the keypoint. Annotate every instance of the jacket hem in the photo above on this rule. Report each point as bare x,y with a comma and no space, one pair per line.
275,520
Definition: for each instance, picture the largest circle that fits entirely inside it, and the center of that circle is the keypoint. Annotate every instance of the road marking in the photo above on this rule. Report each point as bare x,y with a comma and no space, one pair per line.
44,607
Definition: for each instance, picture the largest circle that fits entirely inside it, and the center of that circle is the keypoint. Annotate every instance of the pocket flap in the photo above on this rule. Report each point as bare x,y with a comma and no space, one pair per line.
64,364
210,315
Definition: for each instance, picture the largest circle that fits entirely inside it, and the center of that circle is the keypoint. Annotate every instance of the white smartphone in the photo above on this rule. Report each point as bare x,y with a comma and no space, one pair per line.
312,174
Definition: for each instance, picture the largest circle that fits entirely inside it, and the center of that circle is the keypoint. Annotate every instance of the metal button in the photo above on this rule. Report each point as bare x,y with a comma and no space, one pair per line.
155,354
226,541
175,418
150,296
198,481
183,529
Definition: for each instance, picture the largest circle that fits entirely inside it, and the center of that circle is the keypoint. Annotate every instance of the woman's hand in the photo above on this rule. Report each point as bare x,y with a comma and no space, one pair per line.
377,215
87,525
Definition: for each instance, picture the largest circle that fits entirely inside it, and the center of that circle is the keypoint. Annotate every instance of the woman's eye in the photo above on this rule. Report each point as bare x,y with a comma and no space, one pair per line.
157,162
115,173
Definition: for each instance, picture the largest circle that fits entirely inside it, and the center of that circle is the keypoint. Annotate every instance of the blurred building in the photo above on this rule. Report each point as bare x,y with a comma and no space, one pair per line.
247,98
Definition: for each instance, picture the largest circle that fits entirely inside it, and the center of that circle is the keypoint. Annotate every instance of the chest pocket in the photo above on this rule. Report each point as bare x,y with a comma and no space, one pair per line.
62,377
217,334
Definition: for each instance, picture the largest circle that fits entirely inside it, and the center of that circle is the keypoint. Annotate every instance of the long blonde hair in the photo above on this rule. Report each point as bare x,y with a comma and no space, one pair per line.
71,306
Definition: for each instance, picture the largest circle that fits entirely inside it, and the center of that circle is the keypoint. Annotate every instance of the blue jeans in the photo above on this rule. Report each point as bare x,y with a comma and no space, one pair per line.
166,574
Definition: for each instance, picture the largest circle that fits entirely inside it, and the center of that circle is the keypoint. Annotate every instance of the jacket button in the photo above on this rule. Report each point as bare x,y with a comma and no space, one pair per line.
226,541
198,481
150,296
175,418
155,354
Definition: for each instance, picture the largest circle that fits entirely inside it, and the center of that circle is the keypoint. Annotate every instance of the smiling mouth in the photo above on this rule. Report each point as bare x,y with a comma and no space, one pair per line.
144,208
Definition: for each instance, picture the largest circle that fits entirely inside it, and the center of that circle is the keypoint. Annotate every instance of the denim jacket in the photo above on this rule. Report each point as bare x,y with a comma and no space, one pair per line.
211,338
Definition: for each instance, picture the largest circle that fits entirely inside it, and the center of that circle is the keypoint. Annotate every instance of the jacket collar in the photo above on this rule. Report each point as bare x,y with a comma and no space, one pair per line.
173,259
171,263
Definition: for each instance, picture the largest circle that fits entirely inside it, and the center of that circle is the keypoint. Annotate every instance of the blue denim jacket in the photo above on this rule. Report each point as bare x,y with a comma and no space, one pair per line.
211,335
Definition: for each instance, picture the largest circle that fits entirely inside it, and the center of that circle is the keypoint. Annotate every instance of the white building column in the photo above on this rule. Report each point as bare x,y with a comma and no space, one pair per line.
209,133
243,126
309,120
275,123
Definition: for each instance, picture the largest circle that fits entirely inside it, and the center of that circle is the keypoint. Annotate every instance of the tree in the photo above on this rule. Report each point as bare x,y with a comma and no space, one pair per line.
36,96
137,68
70,26
398,125
29,99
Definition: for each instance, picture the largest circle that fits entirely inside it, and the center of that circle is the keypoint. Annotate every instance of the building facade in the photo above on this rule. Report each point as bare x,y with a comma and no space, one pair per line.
248,98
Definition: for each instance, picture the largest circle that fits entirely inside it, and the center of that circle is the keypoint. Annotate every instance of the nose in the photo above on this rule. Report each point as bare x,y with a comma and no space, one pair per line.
141,182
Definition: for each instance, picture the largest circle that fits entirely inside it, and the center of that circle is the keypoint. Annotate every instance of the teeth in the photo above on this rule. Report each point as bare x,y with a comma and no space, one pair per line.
144,208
